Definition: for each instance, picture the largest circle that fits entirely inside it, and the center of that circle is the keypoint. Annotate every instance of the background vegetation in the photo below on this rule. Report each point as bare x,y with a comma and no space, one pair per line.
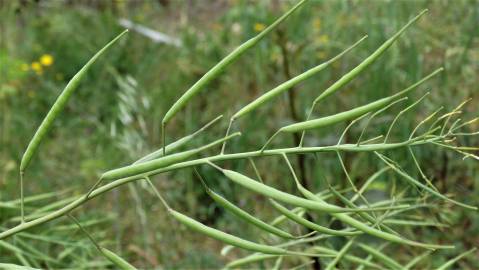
116,115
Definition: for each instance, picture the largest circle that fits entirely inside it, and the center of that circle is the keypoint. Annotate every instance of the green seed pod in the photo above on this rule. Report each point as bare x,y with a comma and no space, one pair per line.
224,237
141,168
286,197
354,113
59,105
116,260
308,224
246,216
177,144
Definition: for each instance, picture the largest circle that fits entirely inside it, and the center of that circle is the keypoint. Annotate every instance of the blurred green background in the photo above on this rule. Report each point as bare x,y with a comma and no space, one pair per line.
115,116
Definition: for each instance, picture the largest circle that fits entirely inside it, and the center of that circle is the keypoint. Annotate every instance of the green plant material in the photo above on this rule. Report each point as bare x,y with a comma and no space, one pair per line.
308,224
363,215
261,100
349,115
177,144
277,264
414,223
224,237
455,259
401,113
295,150
285,197
341,254
145,167
59,105
367,229
415,182
356,71
112,257
366,62
116,260
356,112
348,257
256,257
219,67
243,215
417,259
55,110
9,266
383,258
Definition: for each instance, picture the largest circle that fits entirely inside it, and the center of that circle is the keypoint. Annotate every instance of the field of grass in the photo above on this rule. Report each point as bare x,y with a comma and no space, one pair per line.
115,118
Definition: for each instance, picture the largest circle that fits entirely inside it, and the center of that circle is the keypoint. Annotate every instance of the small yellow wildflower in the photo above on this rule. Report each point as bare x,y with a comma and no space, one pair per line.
37,67
24,67
258,27
46,60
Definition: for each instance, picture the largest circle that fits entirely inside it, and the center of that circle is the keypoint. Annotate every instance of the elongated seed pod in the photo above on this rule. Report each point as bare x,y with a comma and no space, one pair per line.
290,83
224,237
286,197
308,224
59,105
367,62
386,260
356,112
147,166
246,216
219,67
116,260
175,145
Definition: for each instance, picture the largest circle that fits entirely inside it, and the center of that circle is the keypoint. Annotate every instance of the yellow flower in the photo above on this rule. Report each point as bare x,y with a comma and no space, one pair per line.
46,60
258,27
37,67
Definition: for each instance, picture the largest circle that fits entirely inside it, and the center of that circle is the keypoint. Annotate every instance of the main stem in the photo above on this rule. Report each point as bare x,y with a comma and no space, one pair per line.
191,163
